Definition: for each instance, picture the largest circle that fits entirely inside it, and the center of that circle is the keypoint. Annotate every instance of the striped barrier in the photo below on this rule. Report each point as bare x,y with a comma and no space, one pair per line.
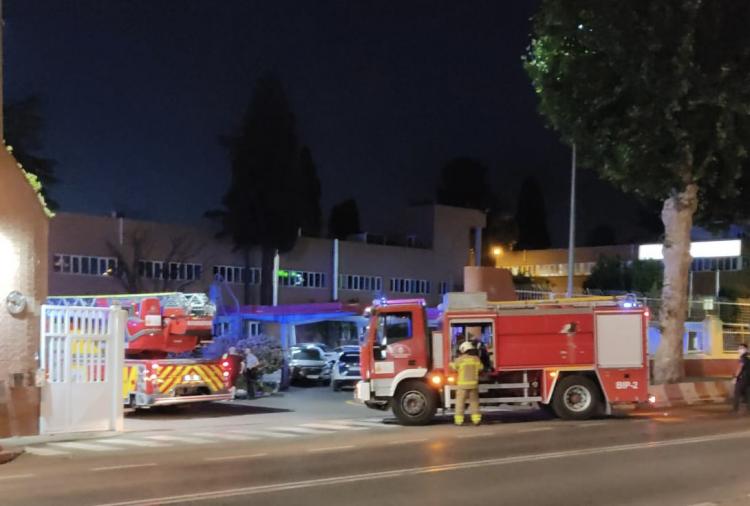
697,392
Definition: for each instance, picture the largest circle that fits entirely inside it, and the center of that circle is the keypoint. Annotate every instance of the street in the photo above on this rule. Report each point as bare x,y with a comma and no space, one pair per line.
346,455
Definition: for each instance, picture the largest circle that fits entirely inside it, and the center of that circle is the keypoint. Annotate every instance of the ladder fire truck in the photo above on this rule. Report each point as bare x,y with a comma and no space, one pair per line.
159,324
574,357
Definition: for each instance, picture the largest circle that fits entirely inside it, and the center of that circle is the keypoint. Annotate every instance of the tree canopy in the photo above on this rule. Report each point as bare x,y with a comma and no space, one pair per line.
268,200
344,219
23,126
311,216
656,97
654,94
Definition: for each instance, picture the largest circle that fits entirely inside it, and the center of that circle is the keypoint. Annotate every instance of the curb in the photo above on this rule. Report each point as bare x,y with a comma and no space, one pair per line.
17,443
697,392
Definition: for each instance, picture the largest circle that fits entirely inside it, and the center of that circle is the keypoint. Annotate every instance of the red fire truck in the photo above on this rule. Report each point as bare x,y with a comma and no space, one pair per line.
575,357
159,324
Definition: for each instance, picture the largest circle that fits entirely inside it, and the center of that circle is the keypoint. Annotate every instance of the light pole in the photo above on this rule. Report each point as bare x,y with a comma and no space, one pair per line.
572,230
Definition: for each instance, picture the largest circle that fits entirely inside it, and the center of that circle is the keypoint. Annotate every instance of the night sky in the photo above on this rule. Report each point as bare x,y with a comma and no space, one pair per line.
136,93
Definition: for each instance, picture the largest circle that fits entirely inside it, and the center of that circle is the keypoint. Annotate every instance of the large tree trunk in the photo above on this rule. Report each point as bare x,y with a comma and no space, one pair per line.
677,215
266,275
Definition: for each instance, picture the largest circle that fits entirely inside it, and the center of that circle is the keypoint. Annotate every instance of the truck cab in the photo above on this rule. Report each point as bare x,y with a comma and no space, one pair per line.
575,357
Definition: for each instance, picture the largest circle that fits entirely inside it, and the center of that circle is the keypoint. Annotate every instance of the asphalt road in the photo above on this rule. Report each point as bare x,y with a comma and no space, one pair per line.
679,457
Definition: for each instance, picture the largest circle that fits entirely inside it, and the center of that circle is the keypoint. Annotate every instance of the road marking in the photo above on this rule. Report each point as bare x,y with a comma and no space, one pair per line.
331,426
229,437
16,476
407,441
374,424
533,429
592,424
43,452
415,471
131,442
86,446
301,430
261,433
704,504
236,457
124,466
180,439
331,448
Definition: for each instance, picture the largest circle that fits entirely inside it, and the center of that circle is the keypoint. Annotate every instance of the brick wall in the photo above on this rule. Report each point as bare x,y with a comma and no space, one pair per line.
23,268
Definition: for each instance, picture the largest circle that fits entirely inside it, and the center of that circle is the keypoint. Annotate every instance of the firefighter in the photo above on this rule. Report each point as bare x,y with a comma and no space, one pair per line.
742,378
468,366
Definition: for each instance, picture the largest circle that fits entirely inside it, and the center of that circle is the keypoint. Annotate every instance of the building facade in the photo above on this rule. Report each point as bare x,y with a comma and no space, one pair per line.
101,255
23,289
715,265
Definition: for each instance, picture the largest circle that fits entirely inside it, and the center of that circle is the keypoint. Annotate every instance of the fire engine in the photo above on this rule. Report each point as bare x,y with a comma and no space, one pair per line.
159,324
574,357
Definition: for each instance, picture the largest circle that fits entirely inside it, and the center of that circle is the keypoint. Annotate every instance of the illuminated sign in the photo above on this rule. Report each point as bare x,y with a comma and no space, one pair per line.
703,249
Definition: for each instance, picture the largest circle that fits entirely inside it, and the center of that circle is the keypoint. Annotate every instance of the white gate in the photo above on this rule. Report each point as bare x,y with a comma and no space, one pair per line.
82,360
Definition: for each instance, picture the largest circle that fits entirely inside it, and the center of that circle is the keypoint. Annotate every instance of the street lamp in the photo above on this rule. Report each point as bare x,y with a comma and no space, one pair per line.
497,251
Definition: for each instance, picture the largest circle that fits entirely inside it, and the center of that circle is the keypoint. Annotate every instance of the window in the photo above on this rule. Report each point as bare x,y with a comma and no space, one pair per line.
360,282
476,331
694,342
392,328
400,285
84,265
302,279
237,274
349,358
716,264
179,271
307,354
252,328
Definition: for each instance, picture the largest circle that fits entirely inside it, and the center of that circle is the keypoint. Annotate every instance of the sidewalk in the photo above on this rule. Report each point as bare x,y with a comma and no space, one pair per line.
688,393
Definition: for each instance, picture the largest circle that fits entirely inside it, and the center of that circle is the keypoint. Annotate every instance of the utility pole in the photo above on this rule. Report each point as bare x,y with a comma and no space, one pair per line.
572,230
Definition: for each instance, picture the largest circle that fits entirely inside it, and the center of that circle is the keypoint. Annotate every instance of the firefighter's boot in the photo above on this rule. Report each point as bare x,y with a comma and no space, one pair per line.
458,419
476,419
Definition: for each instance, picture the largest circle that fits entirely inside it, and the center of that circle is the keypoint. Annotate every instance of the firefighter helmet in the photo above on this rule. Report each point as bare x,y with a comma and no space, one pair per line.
465,347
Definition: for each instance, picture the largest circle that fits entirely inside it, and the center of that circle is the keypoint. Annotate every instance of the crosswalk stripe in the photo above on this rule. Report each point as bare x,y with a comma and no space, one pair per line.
261,433
228,437
180,439
380,425
131,442
301,430
331,426
85,446
42,451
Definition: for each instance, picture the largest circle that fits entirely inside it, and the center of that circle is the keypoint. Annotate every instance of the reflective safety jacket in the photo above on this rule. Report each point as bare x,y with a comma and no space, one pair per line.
468,367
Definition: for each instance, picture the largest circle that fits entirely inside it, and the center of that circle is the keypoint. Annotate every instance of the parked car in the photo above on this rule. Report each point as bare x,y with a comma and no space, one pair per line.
354,348
346,371
309,363
330,354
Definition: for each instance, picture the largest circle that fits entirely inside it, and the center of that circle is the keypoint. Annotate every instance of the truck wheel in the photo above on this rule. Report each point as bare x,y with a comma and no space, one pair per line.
415,403
335,385
576,398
